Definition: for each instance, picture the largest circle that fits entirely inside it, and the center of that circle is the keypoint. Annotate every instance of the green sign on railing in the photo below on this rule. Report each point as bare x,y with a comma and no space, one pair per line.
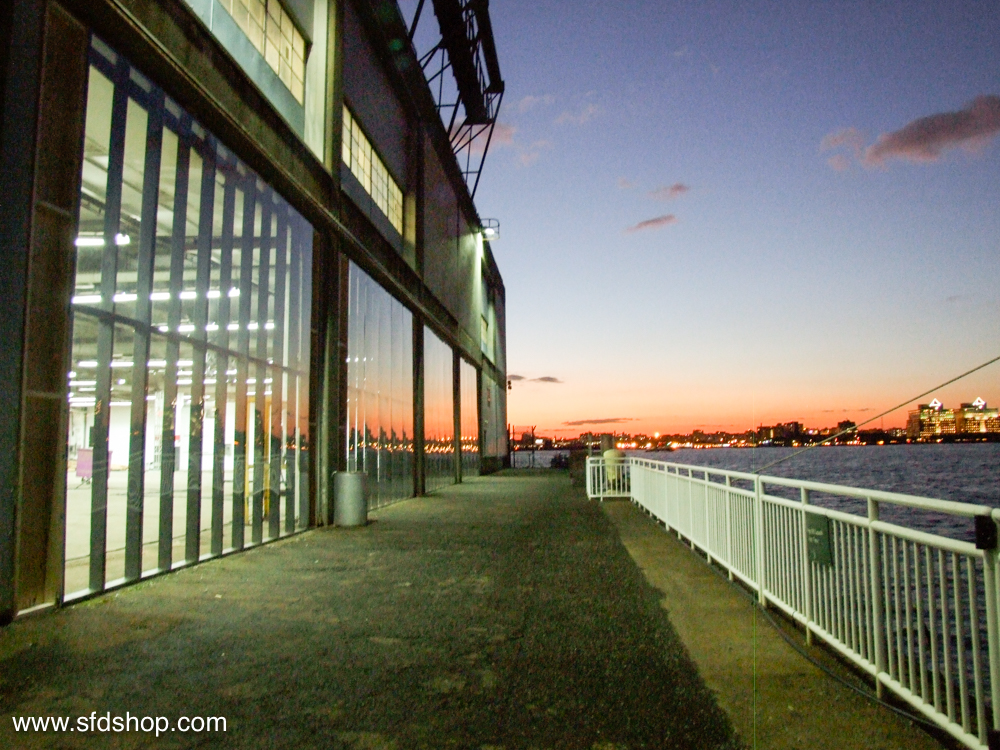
818,539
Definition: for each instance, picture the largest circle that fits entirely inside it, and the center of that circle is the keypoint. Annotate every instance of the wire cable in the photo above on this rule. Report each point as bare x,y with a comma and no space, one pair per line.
878,416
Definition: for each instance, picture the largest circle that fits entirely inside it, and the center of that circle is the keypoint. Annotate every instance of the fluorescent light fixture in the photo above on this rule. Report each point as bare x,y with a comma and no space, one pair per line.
212,327
157,363
122,363
186,328
210,381
253,326
184,381
185,362
87,299
71,374
87,363
231,372
122,239
234,292
89,242
233,327
124,297
159,296
184,373
269,325
78,383
189,295
214,294
251,381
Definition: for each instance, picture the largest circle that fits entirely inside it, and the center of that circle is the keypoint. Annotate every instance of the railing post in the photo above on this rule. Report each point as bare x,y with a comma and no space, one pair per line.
758,538
708,519
589,479
691,508
729,527
990,581
878,615
806,567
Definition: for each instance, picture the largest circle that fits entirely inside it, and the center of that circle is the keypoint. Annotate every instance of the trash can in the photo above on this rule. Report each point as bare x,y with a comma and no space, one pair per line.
350,501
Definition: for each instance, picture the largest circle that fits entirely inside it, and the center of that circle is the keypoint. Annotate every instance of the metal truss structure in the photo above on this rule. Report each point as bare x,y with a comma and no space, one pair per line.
466,48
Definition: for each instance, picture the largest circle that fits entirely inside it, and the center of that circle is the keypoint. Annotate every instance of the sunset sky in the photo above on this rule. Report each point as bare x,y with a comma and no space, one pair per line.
720,214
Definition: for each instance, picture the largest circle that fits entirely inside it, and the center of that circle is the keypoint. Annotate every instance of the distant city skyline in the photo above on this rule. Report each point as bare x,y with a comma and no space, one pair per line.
716,215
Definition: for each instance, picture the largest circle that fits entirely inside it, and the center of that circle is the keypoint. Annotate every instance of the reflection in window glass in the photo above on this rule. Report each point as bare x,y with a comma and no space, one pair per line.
439,413
189,375
470,420
379,390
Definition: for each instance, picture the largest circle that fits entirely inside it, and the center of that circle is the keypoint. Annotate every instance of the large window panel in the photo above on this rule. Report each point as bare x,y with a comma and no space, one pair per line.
439,413
379,390
188,407
469,406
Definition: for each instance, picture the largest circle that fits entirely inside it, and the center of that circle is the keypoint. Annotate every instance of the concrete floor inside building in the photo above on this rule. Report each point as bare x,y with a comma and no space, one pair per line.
505,612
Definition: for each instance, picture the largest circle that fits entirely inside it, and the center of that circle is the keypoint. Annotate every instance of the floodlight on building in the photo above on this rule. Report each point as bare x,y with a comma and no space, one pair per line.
490,229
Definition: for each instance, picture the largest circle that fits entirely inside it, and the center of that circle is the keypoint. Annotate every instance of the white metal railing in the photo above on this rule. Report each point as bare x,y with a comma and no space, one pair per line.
915,610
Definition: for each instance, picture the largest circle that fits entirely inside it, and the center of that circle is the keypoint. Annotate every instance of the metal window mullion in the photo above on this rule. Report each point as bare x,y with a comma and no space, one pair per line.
222,364
168,453
263,271
294,323
242,366
278,373
135,497
105,333
192,537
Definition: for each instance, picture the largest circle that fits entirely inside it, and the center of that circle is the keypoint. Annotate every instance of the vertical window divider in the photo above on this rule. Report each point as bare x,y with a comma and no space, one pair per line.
259,400
135,498
277,376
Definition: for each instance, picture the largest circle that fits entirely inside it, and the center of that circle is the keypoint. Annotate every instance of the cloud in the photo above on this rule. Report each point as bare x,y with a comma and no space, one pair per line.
515,377
669,193
546,379
851,138
503,134
529,155
839,163
625,184
655,223
682,52
530,102
611,420
923,140
586,115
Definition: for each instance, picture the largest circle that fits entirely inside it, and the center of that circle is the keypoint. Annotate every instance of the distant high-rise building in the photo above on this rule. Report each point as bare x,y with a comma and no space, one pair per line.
932,421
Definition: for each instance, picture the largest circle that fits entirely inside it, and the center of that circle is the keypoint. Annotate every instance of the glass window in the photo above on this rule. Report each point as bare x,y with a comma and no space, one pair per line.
470,420
439,413
368,167
272,31
189,375
379,390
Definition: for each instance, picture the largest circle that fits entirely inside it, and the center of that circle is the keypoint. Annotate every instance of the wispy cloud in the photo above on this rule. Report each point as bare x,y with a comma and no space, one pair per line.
924,139
625,184
503,135
669,193
530,154
655,223
546,379
515,377
585,115
530,102
606,420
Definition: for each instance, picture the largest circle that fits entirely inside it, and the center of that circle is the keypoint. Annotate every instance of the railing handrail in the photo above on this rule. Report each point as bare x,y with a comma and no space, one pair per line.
951,507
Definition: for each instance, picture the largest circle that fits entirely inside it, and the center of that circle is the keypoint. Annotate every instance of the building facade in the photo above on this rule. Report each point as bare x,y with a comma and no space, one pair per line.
931,422
240,254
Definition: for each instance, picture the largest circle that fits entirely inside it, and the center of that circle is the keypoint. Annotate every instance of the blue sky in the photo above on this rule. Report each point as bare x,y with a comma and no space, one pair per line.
790,268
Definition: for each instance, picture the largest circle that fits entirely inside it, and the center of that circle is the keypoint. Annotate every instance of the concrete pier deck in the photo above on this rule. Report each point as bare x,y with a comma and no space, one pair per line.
505,612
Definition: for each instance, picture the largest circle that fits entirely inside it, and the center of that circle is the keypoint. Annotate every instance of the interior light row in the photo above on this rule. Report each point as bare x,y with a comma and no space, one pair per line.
96,299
